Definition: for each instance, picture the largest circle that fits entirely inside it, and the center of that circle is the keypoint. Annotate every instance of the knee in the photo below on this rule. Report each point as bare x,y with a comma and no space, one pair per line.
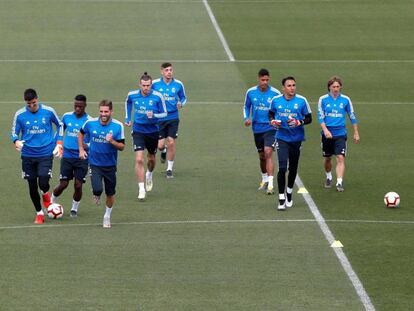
78,185
139,161
44,183
340,159
170,142
282,170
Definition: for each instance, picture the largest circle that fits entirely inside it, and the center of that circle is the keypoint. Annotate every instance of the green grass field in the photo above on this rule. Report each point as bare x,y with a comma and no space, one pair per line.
207,240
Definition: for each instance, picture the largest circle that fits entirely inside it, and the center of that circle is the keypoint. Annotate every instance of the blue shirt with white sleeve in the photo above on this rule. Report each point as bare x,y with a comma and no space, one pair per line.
101,152
36,130
72,124
297,107
173,94
332,111
257,105
154,102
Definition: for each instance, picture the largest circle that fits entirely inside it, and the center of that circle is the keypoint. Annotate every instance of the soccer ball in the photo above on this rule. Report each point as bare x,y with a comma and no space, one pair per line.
392,199
55,211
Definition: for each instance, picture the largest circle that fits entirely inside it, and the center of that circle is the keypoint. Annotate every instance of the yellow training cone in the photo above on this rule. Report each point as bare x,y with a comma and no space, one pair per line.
337,244
302,190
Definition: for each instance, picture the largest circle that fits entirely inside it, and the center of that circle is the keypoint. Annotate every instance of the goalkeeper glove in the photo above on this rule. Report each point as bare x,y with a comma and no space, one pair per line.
19,145
292,122
58,151
276,123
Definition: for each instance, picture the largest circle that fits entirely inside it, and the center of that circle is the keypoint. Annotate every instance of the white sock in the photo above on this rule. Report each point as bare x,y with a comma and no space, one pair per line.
108,211
141,186
281,196
170,165
148,175
270,181
328,175
40,212
339,181
265,177
75,205
289,190
53,199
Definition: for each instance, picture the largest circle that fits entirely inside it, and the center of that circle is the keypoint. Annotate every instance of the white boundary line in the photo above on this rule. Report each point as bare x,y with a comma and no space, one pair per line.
240,103
219,32
210,61
363,295
207,222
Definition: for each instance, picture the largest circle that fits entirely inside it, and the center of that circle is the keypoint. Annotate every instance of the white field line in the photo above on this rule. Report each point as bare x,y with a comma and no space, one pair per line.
363,295
208,222
197,103
219,32
211,61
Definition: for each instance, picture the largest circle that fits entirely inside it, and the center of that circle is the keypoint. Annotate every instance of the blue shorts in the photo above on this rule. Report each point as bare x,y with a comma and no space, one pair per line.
169,129
333,146
73,167
147,141
33,168
107,174
265,139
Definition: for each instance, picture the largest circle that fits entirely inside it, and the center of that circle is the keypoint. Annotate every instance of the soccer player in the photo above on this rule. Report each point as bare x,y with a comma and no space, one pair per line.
289,113
256,113
33,135
175,98
71,166
148,106
332,110
106,136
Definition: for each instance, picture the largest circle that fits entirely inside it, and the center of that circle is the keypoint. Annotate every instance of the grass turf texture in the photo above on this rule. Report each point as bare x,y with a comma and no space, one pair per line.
219,266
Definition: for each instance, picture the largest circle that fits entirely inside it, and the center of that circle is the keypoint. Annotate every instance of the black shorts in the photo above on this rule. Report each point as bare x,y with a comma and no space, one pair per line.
147,141
333,146
169,129
33,168
265,139
107,174
73,167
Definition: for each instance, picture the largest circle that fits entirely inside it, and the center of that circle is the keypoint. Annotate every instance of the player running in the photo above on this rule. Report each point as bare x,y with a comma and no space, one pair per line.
332,110
256,113
175,98
289,113
33,135
71,166
106,137
149,107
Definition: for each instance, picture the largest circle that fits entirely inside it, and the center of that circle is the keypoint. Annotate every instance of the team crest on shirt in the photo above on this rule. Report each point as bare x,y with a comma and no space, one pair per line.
295,106
173,90
150,102
43,120
70,124
27,123
161,89
341,105
269,100
95,132
255,99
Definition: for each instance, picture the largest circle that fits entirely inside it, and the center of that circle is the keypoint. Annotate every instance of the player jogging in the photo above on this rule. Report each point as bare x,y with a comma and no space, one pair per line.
71,166
148,106
175,98
332,110
106,137
289,113
256,113
33,135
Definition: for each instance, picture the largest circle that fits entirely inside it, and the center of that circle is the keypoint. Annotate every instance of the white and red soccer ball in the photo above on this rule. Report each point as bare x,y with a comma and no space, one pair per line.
55,211
392,199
